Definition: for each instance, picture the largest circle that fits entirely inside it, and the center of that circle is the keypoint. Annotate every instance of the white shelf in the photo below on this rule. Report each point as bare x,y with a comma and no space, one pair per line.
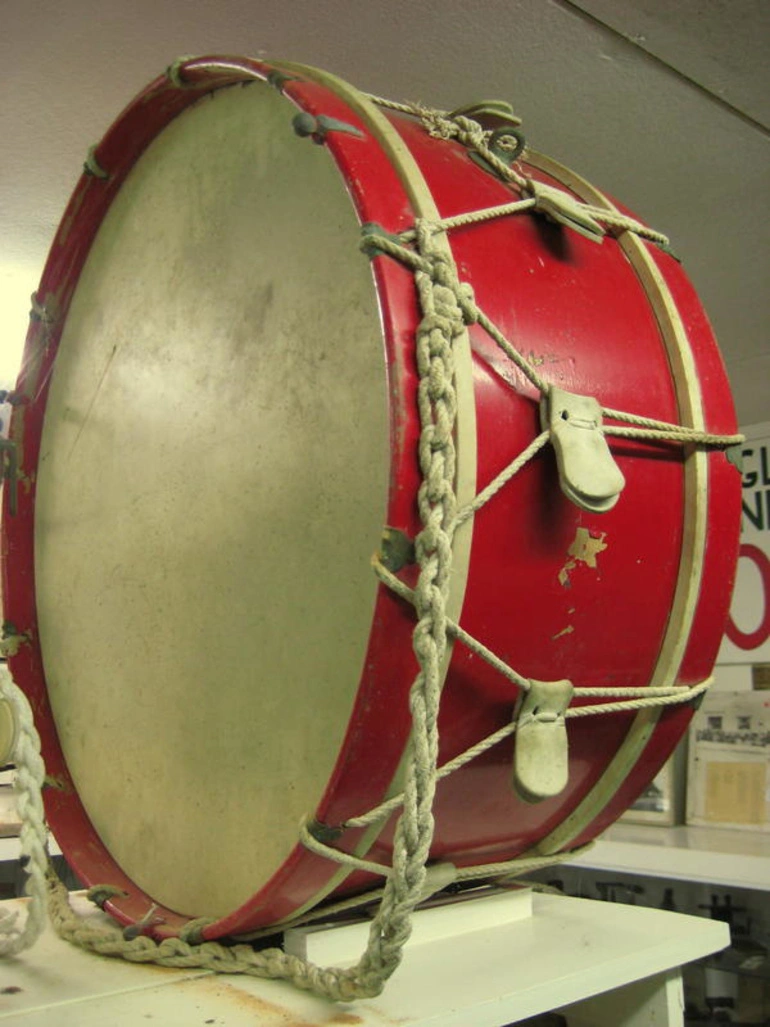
607,963
708,855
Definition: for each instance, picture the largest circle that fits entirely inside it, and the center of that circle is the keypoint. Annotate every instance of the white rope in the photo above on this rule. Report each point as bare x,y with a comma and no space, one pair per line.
636,697
442,322
645,428
479,871
313,844
503,478
474,217
452,627
391,805
28,783
682,694
494,875
510,351
520,865
679,434
640,699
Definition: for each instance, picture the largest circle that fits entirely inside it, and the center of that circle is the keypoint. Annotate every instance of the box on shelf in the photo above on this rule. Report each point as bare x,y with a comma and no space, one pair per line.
729,757
663,801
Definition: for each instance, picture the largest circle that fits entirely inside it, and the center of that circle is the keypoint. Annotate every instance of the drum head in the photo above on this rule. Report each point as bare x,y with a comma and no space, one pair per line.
214,455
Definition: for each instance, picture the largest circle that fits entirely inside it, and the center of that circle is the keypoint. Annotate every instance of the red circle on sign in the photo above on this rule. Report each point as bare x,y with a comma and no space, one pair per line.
753,639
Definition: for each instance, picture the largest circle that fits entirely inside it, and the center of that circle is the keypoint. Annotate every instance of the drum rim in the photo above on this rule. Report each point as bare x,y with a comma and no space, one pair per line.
216,73
143,119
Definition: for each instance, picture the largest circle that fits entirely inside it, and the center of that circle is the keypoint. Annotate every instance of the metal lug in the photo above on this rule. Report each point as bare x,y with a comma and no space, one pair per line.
490,114
541,753
588,474
559,206
317,129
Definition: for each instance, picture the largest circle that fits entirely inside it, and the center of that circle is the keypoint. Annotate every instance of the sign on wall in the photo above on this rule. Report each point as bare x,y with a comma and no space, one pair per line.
747,638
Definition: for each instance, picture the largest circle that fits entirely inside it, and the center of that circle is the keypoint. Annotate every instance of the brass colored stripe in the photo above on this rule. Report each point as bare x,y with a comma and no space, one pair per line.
422,202
689,401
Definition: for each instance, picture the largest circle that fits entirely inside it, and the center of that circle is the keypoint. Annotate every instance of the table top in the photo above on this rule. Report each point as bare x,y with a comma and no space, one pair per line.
493,973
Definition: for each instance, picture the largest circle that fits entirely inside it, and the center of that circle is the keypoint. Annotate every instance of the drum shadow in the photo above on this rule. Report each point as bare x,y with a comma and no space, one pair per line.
555,238
555,514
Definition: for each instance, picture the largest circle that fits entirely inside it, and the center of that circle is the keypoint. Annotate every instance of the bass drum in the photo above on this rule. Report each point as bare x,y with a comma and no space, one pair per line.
217,418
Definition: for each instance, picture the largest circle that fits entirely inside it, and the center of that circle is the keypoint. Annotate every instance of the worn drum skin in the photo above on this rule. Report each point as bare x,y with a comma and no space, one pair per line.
217,418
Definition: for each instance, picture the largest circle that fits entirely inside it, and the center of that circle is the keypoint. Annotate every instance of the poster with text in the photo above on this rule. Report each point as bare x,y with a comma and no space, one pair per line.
747,638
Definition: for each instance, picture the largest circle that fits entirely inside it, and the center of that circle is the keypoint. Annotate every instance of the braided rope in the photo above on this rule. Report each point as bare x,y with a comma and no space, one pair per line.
271,963
28,783
469,133
441,324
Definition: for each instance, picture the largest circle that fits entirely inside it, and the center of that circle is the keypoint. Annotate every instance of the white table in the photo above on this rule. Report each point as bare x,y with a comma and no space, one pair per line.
709,855
601,964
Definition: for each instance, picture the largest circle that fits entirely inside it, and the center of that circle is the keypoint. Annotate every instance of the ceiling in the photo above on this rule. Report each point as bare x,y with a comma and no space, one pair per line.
665,105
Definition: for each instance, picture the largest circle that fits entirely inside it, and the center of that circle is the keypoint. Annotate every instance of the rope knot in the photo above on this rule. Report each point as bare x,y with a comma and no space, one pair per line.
438,381
470,131
99,894
436,124
466,299
444,293
138,930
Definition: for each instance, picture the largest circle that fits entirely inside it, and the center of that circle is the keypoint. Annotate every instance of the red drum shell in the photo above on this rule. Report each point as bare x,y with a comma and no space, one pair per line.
589,318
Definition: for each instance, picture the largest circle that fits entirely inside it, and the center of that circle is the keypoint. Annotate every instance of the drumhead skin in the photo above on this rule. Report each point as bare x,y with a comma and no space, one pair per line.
189,526
219,421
